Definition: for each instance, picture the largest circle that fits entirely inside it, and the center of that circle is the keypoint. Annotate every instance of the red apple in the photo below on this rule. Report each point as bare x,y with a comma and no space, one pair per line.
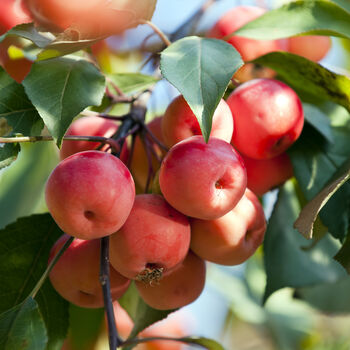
179,122
203,180
179,287
233,238
154,239
268,117
90,194
266,174
75,276
12,13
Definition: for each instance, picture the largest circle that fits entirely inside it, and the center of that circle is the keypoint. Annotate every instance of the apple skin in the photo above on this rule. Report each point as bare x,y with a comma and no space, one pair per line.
233,238
178,287
313,47
90,18
90,126
90,194
249,49
202,180
139,163
12,13
179,122
268,117
266,174
155,235
75,276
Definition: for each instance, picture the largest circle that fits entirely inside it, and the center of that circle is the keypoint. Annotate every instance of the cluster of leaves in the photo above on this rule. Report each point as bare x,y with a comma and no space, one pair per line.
61,85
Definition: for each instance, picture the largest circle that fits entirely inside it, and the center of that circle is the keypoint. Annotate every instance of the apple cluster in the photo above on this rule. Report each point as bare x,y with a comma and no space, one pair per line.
204,206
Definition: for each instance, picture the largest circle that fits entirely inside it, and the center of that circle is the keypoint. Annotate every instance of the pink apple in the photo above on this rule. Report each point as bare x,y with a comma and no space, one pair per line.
90,194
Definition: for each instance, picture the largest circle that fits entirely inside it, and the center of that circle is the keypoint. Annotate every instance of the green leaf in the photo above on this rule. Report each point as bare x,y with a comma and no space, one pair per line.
142,314
29,31
286,263
201,70
8,154
61,88
315,117
204,343
15,107
299,17
309,77
307,217
24,252
132,82
22,328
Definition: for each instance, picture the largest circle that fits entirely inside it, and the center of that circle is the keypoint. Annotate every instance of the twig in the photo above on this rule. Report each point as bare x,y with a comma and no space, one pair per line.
164,38
114,340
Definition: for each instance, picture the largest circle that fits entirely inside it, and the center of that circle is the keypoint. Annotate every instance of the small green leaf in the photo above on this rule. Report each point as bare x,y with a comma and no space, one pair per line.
29,31
201,70
8,154
61,88
142,314
132,82
299,17
282,243
22,328
24,252
309,77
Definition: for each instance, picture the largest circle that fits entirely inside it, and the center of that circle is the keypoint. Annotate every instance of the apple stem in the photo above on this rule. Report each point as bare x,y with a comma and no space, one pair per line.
162,36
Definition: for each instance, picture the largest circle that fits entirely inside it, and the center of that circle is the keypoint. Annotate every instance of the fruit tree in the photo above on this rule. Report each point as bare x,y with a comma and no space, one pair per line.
119,207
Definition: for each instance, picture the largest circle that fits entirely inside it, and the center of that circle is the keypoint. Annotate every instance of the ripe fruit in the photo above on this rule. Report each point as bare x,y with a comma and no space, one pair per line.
268,117
139,163
154,239
266,174
92,18
90,194
313,47
248,48
76,274
178,287
179,122
12,13
203,180
89,126
233,238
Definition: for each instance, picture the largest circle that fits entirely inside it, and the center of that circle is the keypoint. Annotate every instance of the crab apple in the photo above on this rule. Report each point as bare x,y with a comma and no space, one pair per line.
268,117
12,13
178,287
154,239
139,163
90,194
202,180
75,276
313,47
93,18
248,48
266,174
89,126
233,238
179,122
